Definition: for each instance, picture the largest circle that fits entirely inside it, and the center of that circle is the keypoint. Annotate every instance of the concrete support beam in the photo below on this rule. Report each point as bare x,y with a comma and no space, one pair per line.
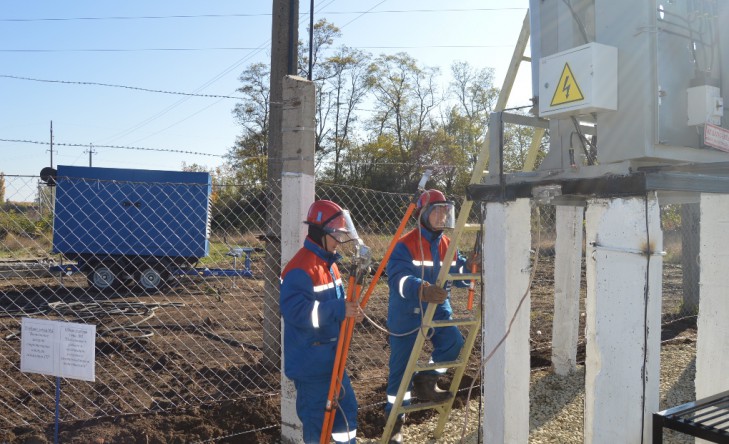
567,276
623,319
506,413
297,194
712,359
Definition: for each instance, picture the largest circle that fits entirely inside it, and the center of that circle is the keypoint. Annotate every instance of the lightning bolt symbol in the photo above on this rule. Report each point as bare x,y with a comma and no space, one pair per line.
566,87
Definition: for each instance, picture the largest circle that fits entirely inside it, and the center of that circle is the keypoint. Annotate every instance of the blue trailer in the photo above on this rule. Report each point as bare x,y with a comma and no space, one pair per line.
122,225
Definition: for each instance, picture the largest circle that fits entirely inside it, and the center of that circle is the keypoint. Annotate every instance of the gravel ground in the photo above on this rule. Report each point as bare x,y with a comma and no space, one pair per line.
556,410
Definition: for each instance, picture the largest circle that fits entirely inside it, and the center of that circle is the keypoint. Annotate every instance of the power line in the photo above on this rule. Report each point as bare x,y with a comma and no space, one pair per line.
407,11
165,17
237,49
68,82
138,17
220,75
118,147
433,46
131,49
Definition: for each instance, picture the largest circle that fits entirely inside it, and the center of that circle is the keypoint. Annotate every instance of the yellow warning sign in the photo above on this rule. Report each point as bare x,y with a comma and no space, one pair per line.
567,90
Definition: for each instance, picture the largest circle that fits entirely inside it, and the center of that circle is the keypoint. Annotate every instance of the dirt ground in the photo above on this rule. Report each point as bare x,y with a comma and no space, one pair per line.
254,417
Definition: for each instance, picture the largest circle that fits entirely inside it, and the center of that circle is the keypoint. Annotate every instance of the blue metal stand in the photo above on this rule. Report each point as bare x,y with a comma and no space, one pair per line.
58,407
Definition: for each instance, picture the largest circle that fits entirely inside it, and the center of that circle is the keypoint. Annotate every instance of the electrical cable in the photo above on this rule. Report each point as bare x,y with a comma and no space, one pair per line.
646,293
580,25
585,142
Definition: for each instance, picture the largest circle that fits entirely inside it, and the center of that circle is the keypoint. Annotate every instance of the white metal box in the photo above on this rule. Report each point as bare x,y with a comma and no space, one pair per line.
580,80
705,105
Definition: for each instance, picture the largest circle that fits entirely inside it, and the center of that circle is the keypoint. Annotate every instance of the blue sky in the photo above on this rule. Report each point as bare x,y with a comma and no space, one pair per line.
124,43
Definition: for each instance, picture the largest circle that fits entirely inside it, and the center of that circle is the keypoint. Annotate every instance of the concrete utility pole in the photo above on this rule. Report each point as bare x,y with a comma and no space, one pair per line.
284,40
297,183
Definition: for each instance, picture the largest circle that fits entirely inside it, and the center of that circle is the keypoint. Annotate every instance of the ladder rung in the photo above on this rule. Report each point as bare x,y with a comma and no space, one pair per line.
464,277
472,227
425,406
456,322
444,364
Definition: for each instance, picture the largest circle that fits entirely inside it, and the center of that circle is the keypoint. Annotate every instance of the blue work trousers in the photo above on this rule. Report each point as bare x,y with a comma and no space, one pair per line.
311,400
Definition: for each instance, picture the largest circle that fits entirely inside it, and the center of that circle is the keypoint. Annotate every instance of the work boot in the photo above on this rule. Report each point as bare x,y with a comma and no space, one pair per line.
396,435
425,388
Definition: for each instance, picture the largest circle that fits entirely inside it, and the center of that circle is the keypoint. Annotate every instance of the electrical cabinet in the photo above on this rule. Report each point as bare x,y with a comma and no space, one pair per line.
581,80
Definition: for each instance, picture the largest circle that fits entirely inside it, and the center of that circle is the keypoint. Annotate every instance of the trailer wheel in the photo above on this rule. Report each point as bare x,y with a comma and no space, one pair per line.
102,277
150,278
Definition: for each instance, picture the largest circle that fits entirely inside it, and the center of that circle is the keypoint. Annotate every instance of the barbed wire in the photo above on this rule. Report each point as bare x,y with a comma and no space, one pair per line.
110,85
120,147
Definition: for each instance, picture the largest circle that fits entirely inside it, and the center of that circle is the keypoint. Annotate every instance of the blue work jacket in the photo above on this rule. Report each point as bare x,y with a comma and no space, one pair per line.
312,306
417,257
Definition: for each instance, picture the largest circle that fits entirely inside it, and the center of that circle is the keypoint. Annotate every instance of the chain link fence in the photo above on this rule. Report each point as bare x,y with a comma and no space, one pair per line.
201,325
179,322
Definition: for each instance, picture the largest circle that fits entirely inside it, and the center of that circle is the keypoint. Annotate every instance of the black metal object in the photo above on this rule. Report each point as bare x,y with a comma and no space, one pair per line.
703,178
706,418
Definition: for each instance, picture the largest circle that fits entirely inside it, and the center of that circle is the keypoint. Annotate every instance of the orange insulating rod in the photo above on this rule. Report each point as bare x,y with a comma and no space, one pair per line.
390,248
336,383
347,328
471,289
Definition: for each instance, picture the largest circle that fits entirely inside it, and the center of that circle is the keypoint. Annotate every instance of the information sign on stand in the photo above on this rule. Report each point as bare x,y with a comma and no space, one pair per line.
55,348
60,349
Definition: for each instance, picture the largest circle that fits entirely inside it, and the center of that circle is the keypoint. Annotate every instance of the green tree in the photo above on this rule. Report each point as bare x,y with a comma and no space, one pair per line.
405,97
517,141
249,156
340,77
345,89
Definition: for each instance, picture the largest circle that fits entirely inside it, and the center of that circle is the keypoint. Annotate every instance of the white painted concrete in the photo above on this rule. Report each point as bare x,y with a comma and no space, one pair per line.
506,282
567,276
297,194
623,319
712,348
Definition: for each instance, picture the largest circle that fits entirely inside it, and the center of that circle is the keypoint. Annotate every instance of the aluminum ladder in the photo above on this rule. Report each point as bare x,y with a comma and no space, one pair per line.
473,322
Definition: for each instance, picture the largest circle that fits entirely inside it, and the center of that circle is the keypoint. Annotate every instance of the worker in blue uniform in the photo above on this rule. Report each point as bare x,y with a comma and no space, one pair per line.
313,307
411,276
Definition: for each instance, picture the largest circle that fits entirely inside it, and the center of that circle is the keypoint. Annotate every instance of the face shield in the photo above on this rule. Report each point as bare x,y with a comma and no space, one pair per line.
439,216
341,228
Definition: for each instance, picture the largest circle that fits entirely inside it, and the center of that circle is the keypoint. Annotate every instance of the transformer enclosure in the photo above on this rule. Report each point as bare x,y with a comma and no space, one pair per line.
672,74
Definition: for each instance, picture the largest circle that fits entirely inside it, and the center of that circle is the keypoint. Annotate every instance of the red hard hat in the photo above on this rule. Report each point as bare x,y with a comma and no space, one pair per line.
322,212
331,219
430,197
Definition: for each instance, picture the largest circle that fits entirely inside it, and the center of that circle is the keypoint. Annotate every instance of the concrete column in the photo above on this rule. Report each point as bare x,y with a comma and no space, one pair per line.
297,194
567,276
506,277
712,359
623,319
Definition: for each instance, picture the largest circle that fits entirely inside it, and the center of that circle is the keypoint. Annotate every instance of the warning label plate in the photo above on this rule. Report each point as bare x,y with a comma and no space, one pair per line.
567,90
716,137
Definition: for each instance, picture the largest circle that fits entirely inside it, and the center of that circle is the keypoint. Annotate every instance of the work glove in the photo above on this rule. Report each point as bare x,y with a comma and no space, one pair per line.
432,293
